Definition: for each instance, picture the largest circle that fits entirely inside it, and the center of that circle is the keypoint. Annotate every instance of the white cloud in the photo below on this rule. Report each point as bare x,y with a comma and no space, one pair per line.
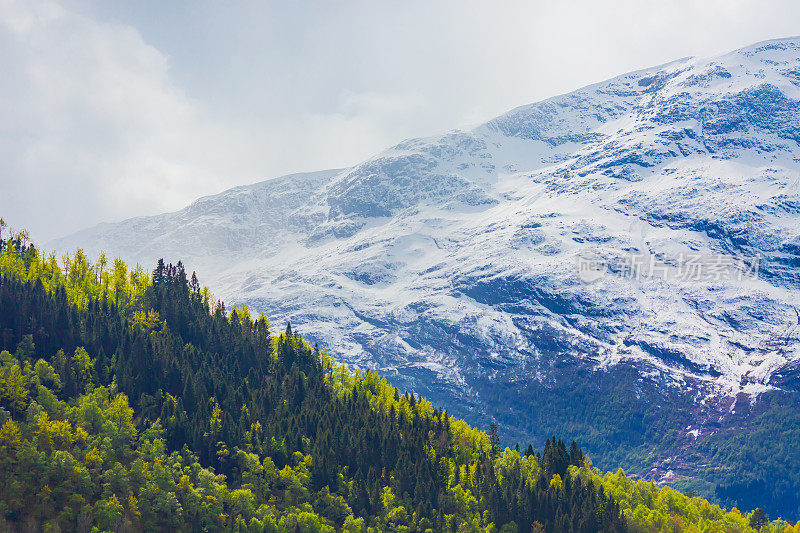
92,127
110,110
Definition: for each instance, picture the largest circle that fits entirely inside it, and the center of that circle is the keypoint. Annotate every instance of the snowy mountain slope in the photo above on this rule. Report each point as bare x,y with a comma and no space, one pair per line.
211,231
453,263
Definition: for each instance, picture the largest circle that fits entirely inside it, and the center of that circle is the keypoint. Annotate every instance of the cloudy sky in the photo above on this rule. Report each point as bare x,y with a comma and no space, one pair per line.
116,109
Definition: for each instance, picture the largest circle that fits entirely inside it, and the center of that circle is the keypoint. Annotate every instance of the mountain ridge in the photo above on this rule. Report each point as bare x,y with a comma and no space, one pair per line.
451,263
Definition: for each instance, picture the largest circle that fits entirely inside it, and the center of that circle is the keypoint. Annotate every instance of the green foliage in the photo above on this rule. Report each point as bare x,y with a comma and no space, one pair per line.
235,428
649,507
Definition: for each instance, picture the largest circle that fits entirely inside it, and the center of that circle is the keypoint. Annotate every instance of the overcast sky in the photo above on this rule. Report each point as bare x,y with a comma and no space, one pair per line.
110,110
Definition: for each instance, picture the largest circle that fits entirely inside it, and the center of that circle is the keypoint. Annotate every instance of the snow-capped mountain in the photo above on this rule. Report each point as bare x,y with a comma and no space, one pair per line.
650,220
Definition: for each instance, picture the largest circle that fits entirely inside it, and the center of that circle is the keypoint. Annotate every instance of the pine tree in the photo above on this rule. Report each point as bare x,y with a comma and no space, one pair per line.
494,439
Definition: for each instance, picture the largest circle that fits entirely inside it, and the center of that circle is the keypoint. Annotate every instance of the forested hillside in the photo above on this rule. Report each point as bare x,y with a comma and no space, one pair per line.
132,400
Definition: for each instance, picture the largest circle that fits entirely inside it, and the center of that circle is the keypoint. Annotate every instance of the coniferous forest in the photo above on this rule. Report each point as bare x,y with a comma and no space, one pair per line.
133,400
